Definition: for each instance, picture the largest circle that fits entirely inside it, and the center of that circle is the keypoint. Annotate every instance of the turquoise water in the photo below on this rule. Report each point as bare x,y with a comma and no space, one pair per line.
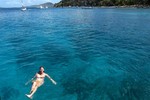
93,54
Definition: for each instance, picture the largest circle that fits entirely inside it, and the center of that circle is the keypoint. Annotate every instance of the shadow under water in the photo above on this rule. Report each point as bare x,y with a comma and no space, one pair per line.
7,93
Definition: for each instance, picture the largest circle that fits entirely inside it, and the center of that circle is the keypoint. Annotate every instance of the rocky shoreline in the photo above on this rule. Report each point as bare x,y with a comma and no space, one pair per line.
134,6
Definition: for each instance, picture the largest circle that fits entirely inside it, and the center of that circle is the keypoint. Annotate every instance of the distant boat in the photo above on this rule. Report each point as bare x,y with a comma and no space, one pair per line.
23,8
41,7
87,7
46,7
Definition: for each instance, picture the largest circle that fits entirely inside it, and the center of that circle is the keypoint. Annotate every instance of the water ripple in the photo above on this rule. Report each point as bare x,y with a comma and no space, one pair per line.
90,53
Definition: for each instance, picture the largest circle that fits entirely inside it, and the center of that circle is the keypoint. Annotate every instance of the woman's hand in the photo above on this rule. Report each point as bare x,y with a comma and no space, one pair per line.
54,82
51,79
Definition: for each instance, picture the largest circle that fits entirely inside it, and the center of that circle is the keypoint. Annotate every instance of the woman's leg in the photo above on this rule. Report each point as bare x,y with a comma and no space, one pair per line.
32,92
33,89
33,86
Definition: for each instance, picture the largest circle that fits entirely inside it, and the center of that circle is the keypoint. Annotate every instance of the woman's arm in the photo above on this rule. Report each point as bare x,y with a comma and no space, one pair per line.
30,80
50,79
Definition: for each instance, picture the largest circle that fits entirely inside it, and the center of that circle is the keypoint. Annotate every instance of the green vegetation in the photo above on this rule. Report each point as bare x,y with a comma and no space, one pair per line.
102,3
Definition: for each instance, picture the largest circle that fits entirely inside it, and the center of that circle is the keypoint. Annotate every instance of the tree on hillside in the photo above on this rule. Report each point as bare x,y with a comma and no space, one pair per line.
102,2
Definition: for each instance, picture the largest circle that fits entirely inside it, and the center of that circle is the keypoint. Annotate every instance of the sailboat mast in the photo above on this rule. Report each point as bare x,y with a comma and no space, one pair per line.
22,3
23,7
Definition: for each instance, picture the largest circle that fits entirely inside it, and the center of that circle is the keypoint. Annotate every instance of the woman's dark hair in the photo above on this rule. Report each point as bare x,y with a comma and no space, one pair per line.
39,70
40,67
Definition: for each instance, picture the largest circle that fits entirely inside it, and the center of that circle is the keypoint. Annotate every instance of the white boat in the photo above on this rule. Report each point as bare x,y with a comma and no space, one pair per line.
23,8
41,7
46,7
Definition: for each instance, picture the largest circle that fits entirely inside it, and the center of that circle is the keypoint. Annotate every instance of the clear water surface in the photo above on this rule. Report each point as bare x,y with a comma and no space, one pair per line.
93,54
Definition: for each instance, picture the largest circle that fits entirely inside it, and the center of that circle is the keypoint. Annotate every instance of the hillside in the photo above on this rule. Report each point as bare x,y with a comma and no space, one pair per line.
102,2
44,5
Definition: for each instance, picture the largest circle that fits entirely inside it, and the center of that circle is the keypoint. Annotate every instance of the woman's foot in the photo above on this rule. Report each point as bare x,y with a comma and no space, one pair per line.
29,96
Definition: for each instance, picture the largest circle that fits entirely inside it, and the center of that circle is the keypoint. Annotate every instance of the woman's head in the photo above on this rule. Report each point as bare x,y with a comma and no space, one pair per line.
41,70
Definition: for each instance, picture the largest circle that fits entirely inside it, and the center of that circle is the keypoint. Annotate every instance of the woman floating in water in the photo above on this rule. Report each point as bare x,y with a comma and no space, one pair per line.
39,80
